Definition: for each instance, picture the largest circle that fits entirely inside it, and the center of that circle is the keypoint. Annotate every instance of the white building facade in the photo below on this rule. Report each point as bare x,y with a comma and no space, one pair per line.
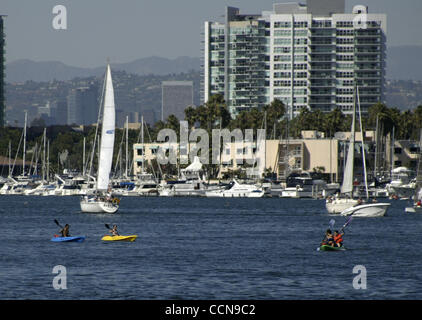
309,56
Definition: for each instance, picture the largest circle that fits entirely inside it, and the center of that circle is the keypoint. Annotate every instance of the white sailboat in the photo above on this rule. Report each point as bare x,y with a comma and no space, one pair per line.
346,205
370,209
102,201
345,201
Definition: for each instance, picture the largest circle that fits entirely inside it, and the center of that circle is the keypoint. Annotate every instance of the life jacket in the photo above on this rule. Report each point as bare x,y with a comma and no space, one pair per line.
338,238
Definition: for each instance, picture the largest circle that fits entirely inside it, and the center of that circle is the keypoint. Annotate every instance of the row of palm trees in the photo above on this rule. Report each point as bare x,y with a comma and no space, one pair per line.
215,114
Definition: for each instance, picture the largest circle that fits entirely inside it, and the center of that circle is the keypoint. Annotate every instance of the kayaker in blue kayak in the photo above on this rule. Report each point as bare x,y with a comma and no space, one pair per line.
65,231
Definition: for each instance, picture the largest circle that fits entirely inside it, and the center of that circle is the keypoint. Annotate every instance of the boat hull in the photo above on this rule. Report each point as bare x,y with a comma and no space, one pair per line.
92,206
367,210
337,206
330,248
414,209
234,194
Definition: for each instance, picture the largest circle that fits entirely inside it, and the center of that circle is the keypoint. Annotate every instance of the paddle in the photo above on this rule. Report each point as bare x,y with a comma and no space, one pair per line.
55,220
347,223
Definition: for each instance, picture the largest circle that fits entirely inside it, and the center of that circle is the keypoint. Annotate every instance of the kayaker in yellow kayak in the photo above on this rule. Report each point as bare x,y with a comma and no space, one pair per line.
114,231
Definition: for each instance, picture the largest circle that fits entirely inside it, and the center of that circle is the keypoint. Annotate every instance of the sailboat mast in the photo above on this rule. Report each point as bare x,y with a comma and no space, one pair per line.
419,168
10,158
127,146
347,184
83,157
376,148
48,160
363,148
142,139
106,145
392,153
43,156
24,144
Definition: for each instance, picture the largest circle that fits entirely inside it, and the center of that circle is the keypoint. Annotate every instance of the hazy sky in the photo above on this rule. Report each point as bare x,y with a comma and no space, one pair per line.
125,30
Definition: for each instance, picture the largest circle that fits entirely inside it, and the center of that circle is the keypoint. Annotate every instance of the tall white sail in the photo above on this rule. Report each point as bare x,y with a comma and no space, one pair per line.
347,186
107,135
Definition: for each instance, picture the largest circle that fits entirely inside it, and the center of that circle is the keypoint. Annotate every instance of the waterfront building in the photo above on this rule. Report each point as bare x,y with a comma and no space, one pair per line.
234,156
313,152
316,153
304,55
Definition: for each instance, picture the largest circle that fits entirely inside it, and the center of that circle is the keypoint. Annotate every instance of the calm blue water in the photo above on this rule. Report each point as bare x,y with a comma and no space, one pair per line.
198,248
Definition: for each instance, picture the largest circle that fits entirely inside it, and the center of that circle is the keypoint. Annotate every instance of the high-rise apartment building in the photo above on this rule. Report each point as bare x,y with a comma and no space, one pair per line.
2,72
236,61
309,55
82,105
176,97
60,111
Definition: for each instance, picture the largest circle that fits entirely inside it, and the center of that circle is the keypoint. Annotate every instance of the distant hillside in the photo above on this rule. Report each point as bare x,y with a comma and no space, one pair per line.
24,70
403,63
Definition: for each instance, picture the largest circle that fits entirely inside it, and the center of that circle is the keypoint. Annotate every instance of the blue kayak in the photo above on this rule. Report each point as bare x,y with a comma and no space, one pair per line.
68,239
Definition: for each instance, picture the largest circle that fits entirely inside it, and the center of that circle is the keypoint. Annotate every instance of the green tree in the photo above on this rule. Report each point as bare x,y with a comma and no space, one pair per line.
333,122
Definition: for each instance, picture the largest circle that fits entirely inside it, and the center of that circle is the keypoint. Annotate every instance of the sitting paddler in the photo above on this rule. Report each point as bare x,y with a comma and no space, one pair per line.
338,238
328,240
114,231
65,231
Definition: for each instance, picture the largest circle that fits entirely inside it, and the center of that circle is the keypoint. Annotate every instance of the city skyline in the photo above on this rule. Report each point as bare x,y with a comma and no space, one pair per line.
90,39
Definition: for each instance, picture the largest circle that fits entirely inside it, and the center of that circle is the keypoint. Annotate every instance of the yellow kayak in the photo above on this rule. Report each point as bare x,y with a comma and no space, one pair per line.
119,238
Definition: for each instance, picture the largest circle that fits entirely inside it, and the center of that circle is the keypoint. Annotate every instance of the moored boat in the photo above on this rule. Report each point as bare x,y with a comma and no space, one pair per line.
367,210
102,202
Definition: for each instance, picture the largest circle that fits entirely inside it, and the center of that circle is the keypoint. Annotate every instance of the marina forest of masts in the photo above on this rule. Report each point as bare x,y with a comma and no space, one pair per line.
47,151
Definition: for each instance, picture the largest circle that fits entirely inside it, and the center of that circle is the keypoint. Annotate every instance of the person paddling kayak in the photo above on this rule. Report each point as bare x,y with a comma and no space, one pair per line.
338,238
328,240
114,231
65,231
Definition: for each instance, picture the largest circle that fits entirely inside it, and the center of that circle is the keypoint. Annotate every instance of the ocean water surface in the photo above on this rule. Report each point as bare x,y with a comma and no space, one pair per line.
199,248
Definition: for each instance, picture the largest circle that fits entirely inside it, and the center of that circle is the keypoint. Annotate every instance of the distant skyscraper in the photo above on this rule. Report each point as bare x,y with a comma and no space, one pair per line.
309,56
176,97
2,72
60,111
82,105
